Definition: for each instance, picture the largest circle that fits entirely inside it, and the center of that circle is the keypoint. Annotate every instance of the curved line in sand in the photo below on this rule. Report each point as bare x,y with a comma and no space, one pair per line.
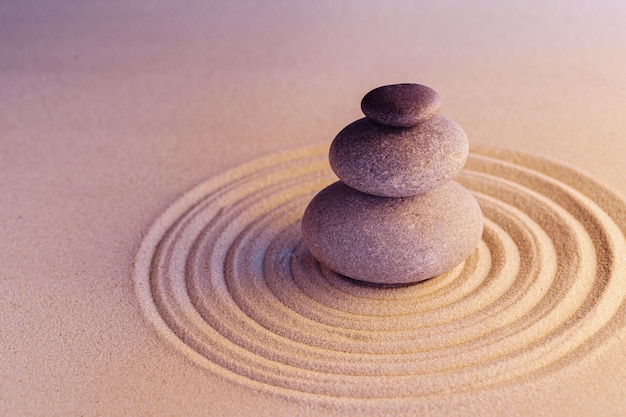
224,276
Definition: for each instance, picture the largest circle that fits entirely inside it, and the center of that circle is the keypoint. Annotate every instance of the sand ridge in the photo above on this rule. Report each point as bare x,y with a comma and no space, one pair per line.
224,276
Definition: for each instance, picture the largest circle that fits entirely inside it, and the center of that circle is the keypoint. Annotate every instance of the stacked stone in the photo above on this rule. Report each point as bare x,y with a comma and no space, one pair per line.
396,216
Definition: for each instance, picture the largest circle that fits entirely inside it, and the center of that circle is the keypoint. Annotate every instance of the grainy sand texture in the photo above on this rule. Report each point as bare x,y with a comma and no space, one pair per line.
225,277
155,161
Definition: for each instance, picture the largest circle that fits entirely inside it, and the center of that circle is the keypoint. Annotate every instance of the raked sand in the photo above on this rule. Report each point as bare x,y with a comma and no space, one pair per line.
224,277
155,161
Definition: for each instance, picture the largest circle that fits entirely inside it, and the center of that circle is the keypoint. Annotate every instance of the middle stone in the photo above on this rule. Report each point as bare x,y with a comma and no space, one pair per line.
399,162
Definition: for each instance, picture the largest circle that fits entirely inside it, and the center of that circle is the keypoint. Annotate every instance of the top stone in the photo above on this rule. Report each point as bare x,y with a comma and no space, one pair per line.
401,105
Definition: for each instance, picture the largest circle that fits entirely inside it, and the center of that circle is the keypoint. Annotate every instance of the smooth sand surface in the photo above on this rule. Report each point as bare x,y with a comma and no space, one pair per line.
151,262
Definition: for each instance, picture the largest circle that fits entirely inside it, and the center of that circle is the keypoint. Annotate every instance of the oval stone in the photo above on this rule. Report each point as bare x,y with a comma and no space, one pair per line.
391,162
401,105
392,240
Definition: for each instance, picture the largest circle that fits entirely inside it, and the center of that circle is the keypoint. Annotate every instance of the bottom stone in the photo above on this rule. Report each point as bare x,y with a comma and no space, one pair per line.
392,240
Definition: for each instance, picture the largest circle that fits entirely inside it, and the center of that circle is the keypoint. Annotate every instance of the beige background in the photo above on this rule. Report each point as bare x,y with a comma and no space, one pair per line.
111,110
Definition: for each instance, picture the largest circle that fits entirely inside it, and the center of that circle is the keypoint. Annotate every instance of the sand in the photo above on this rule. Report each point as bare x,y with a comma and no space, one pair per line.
151,262
225,277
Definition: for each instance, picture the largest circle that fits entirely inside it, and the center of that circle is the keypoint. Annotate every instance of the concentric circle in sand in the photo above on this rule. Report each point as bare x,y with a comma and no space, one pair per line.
224,276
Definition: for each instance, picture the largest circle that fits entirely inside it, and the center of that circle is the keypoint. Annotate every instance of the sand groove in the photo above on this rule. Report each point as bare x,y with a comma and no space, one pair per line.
224,276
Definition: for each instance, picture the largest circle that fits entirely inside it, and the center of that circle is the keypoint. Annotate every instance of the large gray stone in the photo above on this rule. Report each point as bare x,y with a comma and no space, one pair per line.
392,240
398,162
